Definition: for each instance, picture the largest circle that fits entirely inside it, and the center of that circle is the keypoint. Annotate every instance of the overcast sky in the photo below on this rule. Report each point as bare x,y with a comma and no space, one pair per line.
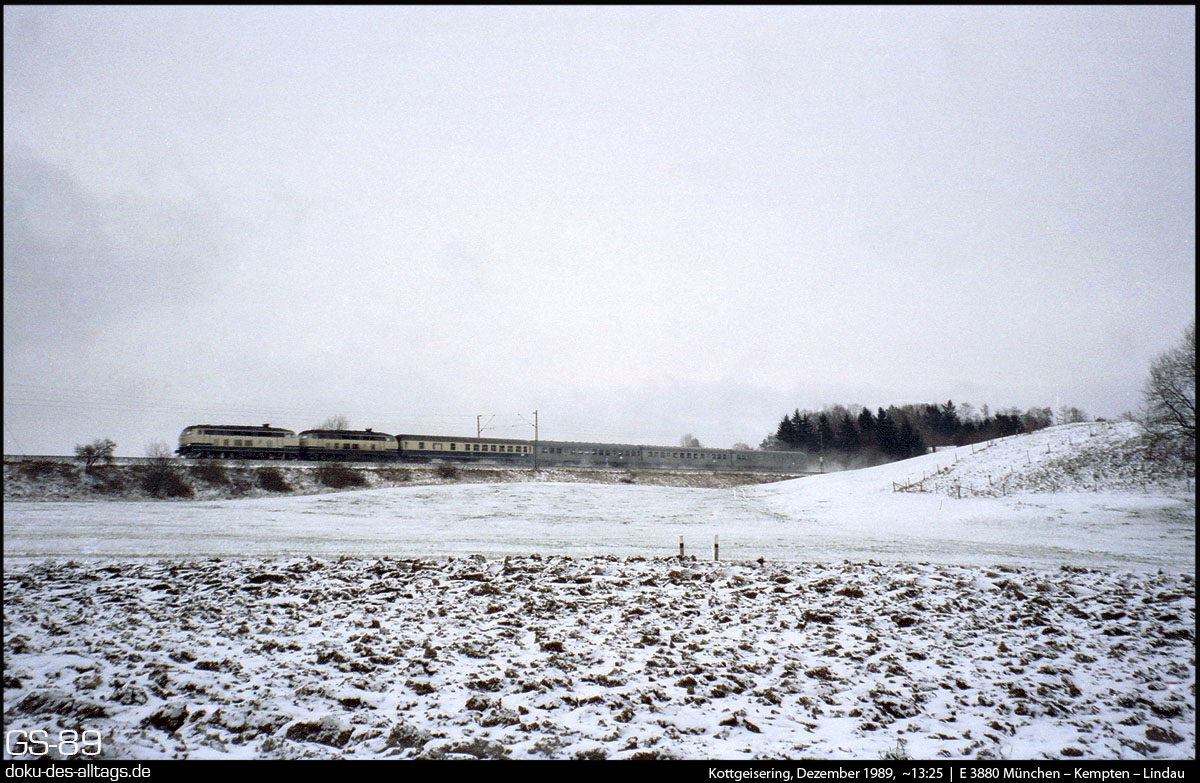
640,222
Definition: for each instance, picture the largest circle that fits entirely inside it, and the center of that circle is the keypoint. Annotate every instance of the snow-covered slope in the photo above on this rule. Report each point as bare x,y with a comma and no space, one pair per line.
882,507
1086,457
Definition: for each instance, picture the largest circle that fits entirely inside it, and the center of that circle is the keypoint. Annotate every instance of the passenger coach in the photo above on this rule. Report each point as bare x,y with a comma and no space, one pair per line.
423,448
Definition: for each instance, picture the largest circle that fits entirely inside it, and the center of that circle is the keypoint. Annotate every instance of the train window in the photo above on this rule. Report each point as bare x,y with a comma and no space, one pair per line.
453,446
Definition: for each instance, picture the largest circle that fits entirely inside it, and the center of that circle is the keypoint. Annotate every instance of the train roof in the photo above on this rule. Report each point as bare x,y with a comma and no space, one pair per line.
607,445
463,439
241,427
335,434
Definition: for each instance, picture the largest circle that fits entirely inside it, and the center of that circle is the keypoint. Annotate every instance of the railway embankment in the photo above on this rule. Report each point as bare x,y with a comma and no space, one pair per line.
33,478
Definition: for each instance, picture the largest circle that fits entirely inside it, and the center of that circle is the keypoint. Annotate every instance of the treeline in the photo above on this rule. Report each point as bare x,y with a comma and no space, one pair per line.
899,432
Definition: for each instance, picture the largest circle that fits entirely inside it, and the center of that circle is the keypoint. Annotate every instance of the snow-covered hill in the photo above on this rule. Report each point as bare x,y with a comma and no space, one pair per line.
1089,457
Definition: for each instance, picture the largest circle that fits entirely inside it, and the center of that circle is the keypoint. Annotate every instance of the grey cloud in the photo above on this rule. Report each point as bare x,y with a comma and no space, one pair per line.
76,264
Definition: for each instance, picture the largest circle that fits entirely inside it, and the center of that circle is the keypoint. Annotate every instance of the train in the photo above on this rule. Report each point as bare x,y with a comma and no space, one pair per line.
211,441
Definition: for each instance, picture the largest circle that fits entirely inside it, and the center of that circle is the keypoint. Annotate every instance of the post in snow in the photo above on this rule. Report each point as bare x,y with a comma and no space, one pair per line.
716,548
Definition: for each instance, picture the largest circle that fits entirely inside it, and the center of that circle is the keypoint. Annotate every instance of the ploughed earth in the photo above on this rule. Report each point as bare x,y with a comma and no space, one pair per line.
603,657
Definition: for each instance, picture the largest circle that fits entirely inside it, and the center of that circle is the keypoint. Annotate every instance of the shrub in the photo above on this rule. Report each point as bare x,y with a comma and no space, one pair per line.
212,472
160,478
110,485
395,474
108,480
446,471
339,477
272,480
40,468
164,482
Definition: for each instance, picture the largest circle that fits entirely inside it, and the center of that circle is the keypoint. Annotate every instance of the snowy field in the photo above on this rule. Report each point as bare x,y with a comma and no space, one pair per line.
547,620
851,515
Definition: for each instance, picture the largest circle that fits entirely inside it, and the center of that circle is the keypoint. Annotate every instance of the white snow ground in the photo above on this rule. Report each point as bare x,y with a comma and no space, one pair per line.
1029,625
853,514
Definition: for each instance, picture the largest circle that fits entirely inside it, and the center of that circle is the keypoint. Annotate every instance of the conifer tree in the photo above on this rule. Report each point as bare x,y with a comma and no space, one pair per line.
866,428
786,433
806,437
825,439
910,442
886,434
847,436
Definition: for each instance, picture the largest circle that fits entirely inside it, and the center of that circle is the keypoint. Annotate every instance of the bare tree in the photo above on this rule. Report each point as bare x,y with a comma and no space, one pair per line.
1169,396
338,422
690,441
1069,414
159,477
95,451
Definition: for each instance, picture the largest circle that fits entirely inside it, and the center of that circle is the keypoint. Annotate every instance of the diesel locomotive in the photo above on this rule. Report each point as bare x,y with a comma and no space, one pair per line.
275,443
